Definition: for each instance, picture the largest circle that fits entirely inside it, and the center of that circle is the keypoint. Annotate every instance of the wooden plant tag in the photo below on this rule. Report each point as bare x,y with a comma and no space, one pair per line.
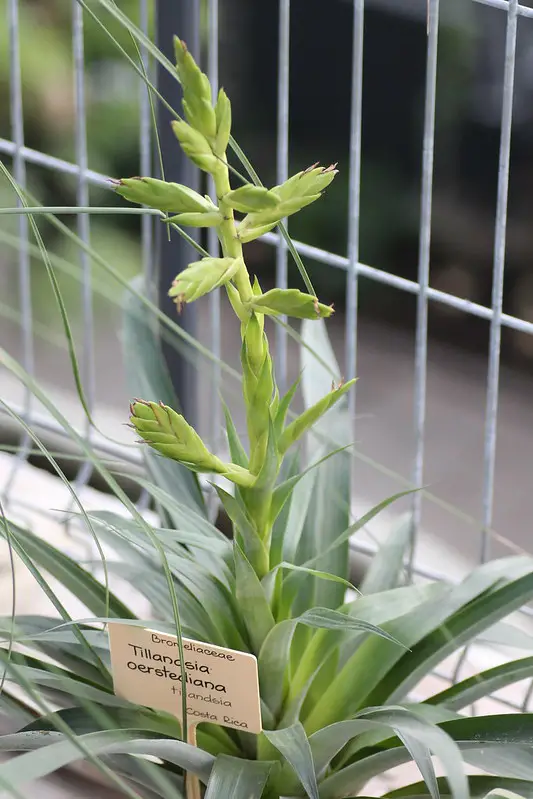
222,684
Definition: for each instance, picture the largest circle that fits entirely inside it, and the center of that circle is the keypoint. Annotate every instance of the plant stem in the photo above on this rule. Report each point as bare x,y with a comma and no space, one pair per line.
231,245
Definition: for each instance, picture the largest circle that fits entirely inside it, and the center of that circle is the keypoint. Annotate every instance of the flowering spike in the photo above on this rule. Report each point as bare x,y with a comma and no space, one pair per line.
168,433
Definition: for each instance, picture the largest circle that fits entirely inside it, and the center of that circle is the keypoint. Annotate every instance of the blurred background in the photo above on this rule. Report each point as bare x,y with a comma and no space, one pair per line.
469,102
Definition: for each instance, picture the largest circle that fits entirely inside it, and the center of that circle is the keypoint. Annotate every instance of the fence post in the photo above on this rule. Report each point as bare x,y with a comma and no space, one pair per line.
182,19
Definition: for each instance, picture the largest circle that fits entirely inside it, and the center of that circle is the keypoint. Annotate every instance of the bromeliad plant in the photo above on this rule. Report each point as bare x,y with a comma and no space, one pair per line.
336,675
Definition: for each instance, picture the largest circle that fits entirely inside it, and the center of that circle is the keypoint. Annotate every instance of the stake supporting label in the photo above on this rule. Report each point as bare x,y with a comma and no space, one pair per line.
222,684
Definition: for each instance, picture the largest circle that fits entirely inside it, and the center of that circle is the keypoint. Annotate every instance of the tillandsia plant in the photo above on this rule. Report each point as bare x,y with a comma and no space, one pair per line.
336,674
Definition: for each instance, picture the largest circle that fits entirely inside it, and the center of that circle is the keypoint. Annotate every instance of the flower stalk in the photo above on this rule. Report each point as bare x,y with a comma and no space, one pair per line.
204,137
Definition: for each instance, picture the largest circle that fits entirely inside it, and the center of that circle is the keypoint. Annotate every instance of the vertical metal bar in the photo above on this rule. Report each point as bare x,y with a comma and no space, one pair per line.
500,232
282,173
212,242
19,173
174,254
145,163
354,211
145,144
421,346
354,196
83,223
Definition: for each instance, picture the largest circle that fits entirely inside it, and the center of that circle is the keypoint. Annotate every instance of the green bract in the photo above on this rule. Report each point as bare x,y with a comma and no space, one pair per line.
337,672
165,196
168,433
291,302
202,277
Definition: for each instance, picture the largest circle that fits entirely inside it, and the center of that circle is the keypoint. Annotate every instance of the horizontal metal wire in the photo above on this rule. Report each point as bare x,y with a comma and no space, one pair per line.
308,250
503,5
51,162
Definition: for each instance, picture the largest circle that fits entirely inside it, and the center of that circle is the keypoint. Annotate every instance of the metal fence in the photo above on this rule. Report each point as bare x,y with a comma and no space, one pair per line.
184,17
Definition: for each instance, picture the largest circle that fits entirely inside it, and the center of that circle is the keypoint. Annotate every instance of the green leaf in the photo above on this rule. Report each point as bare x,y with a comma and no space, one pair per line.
252,600
290,467
498,743
82,721
284,405
273,655
483,684
298,512
237,778
70,574
283,491
236,449
245,533
314,573
386,565
53,751
465,625
411,731
305,421
329,510
147,376
272,664
64,683
377,609
372,672
293,744
479,786
414,731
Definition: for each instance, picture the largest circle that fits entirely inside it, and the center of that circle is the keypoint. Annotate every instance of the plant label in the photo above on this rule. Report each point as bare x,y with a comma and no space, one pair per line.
221,684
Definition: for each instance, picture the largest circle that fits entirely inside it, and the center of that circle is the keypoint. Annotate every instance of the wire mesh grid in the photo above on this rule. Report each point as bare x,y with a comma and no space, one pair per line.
22,155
